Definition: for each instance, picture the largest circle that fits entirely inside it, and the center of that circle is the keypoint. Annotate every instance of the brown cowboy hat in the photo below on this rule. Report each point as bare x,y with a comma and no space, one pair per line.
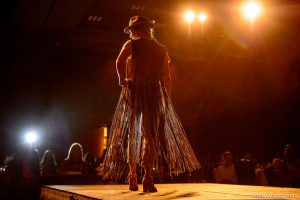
138,21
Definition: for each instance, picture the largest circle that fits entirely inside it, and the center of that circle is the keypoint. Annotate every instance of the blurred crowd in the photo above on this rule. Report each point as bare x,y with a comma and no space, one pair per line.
247,170
25,170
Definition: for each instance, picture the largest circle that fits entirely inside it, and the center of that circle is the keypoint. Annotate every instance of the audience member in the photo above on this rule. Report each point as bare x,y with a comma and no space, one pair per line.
245,170
74,163
22,174
260,177
207,169
91,162
225,172
48,165
292,165
276,175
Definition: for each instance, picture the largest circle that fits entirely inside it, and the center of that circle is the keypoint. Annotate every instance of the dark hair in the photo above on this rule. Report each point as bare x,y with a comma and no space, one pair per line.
45,156
226,154
74,145
143,30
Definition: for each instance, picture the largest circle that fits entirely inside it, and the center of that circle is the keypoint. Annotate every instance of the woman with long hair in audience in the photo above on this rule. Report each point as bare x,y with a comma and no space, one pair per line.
74,164
48,165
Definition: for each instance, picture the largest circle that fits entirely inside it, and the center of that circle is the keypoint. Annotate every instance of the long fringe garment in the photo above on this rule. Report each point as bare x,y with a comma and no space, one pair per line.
145,123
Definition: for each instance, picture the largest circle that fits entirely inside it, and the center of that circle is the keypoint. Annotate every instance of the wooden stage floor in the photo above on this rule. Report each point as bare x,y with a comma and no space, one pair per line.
190,191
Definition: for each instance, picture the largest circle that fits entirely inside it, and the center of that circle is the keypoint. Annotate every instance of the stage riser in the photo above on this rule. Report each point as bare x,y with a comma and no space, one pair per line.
189,191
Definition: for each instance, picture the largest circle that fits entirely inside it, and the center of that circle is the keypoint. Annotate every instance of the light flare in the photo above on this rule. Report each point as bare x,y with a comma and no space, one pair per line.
202,17
189,16
31,137
252,10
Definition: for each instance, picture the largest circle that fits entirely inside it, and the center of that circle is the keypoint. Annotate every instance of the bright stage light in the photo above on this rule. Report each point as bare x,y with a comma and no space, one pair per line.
202,17
189,16
31,137
252,10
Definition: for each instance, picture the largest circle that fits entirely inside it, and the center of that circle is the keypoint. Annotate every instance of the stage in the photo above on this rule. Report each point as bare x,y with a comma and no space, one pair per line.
190,191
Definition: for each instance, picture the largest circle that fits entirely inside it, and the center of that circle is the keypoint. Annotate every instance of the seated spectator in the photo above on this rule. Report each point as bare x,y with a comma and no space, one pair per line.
276,175
207,169
48,165
245,170
292,165
225,172
22,174
74,163
91,161
260,178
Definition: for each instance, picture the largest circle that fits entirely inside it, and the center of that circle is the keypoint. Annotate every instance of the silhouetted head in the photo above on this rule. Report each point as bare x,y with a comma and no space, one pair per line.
48,157
227,157
140,26
75,152
276,163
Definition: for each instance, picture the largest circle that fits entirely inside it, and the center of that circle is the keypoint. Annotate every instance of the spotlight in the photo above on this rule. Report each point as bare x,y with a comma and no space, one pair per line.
251,10
202,17
189,16
31,137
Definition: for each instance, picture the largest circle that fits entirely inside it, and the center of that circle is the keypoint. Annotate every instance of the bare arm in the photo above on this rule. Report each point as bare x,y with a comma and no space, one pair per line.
167,74
121,62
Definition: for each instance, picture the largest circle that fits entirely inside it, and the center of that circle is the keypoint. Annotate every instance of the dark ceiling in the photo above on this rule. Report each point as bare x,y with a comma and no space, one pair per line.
89,23
99,23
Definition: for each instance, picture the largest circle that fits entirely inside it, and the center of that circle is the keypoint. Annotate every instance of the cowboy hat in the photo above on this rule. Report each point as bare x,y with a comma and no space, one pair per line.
139,21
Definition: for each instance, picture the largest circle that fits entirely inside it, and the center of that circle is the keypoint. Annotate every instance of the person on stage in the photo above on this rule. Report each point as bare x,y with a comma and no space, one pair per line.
145,129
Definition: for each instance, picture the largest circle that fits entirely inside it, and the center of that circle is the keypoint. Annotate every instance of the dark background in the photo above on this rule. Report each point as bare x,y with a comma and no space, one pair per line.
235,87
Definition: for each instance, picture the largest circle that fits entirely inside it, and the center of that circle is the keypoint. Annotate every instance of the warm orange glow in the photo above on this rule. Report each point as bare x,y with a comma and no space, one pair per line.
202,17
105,131
104,137
251,10
189,16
